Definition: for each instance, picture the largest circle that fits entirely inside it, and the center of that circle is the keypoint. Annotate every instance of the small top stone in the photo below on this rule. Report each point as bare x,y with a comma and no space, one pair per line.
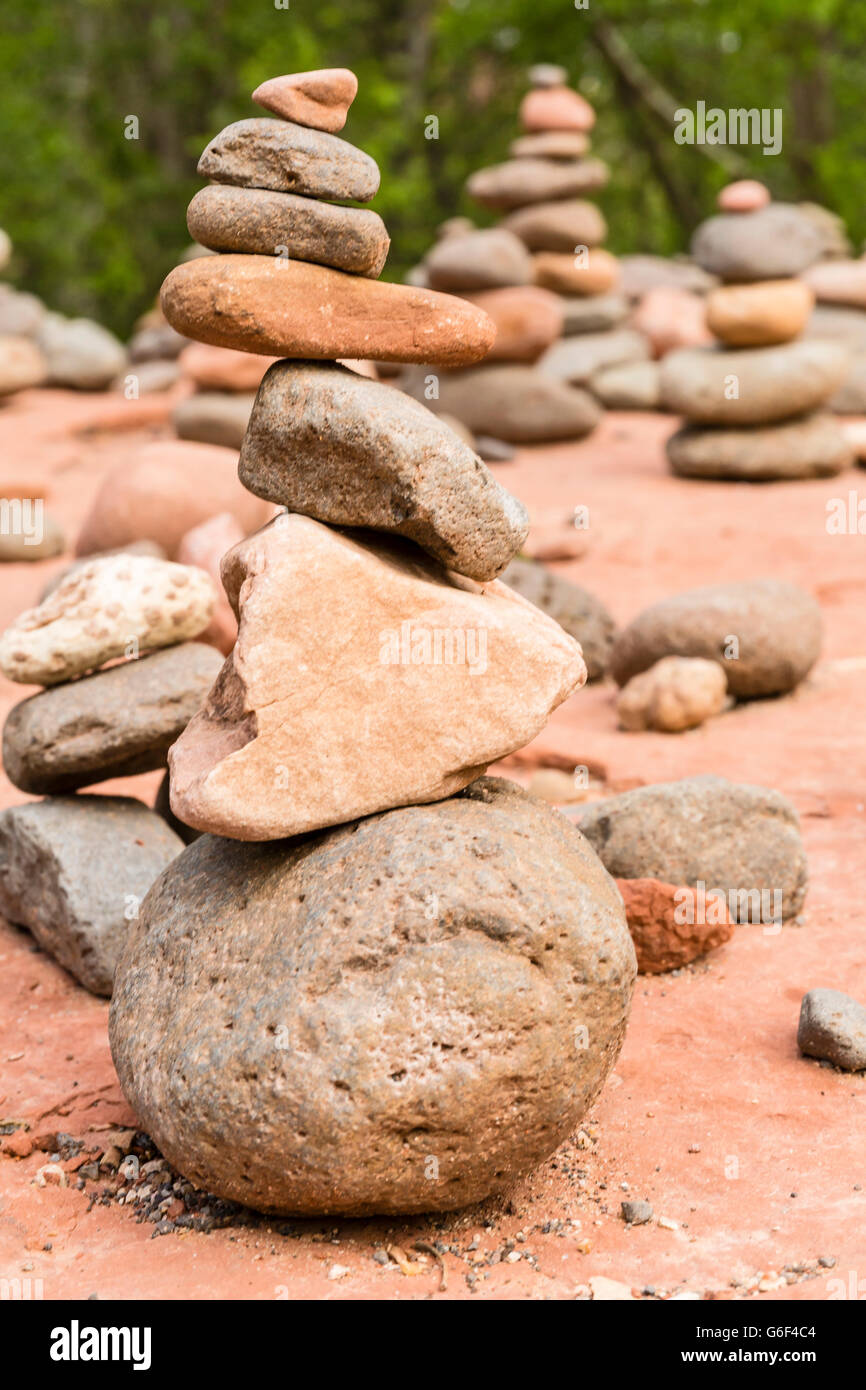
319,99
745,195
547,75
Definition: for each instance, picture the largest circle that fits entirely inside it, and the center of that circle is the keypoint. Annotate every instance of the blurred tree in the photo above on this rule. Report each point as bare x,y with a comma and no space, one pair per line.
97,218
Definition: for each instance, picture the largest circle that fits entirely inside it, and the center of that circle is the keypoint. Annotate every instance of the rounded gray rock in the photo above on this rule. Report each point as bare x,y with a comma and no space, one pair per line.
403,1014
833,1027
768,244
288,158
582,615
115,723
259,221
812,447
214,417
574,359
479,260
766,634
734,838
751,386
512,402
74,871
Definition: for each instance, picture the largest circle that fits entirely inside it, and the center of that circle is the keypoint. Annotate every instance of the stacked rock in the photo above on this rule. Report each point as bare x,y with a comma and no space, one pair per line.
390,1011
756,406
73,866
541,274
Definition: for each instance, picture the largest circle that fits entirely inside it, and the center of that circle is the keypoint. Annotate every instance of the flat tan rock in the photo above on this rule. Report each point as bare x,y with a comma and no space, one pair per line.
678,692
364,677
296,309
123,605
319,99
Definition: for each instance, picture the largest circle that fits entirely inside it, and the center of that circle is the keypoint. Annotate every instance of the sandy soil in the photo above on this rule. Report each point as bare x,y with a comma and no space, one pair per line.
748,1152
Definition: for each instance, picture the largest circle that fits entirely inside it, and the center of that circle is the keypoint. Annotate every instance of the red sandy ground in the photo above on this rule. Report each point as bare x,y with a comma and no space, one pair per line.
711,1114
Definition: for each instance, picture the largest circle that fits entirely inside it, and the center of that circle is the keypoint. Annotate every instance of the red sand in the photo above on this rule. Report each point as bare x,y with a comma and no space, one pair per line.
711,1113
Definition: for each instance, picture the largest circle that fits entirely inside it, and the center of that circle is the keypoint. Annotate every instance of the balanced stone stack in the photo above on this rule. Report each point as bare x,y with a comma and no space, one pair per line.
541,274
378,981
757,406
74,868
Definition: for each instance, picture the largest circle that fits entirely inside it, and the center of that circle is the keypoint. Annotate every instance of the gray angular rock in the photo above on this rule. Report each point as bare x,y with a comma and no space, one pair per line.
833,1027
336,446
582,615
289,158
559,226
214,417
768,244
262,222
811,447
116,723
74,871
575,359
479,260
628,386
512,402
751,386
737,839
403,1014
766,634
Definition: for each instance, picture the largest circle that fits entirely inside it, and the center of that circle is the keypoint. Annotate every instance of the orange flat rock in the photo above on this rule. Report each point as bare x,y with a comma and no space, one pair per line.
296,309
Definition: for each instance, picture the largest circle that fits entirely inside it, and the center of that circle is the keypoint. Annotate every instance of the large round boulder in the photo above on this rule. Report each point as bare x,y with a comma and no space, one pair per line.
401,1014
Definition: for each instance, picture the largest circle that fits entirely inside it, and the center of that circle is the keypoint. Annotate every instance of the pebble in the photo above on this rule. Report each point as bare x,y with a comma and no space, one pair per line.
636,1213
352,452
765,634
514,402
262,222
576,359
676,693
214,417
838,282
528,320
556,108
833,1027
116,723
744,195
560,226
812,446
79,353
658,918
672,318
627,386
768,244
518,182
752,386
759,315
289,158
319,99
296,309
479,260
297,934
75,870
731,836
595,273
224,369
108,608
592,313
22,365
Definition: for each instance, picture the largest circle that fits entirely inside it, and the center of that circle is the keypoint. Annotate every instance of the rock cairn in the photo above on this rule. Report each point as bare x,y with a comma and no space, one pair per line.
542,274
756,406
412,1001
73,869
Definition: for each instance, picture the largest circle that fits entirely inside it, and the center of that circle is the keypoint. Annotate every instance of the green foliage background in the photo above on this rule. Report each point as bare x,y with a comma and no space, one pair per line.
98,220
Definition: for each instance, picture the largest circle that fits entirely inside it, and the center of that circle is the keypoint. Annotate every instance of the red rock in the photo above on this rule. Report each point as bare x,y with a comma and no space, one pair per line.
165,490
745,195
658,914
319,99
555,108
672,318
528,319
204,546
296,309
223,369
18,1145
